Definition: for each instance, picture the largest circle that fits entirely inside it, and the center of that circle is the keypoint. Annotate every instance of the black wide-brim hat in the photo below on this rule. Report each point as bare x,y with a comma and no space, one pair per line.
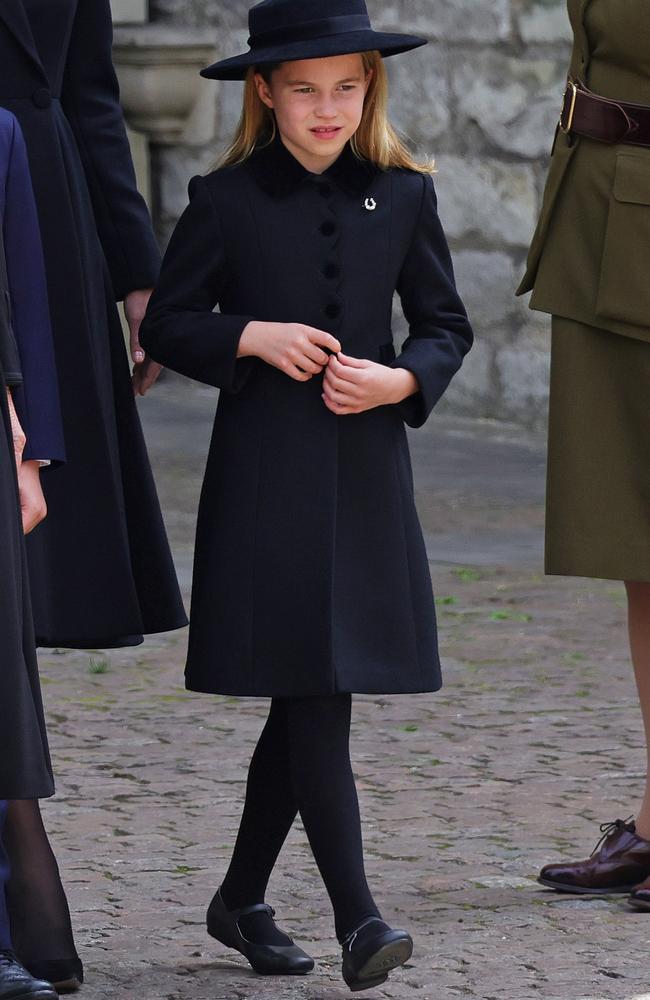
286,30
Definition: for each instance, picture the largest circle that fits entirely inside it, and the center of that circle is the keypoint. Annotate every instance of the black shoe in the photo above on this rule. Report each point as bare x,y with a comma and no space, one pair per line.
17,984
65,974
266,959
368,959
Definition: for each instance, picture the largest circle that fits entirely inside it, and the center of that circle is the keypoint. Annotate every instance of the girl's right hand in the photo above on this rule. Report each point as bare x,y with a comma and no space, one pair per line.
297,350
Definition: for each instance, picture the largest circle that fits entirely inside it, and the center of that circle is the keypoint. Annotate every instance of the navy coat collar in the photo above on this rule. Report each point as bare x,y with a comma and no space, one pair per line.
279,173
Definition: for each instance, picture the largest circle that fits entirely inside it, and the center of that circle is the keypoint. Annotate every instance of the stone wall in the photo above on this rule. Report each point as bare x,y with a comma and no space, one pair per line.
483,99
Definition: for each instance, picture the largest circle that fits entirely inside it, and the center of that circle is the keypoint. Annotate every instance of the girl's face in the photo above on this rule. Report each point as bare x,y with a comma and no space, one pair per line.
318,105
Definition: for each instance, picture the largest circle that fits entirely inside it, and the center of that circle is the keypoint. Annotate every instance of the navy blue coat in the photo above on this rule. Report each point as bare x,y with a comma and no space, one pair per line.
37,402
101,570
311,574
26,361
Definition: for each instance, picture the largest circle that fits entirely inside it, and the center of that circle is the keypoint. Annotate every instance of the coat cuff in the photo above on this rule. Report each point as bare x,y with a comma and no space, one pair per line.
415,409
135,281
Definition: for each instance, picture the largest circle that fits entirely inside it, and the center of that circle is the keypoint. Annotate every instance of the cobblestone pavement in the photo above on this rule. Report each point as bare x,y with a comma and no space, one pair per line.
533,742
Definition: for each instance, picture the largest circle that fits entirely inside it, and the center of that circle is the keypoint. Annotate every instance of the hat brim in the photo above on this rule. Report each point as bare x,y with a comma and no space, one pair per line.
237,67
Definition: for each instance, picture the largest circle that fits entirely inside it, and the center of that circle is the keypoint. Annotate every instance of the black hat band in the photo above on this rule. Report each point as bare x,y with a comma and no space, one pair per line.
311,29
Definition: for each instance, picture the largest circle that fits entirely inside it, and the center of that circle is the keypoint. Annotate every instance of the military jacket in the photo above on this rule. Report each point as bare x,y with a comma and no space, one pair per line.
590,256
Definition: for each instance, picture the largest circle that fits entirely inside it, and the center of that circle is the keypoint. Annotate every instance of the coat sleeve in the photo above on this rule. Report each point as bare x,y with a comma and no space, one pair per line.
37,401
91,101
440,334
181,329
10,367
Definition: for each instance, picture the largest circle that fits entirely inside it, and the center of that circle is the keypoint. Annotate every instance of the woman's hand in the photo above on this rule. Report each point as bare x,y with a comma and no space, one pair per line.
298,351
352,385
17,433
145,371
32,502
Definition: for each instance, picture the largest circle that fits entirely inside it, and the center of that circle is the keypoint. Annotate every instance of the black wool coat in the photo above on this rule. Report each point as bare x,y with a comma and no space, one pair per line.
100,567
311,575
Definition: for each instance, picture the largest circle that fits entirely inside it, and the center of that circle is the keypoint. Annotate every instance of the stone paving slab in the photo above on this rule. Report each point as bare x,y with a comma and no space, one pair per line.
534,740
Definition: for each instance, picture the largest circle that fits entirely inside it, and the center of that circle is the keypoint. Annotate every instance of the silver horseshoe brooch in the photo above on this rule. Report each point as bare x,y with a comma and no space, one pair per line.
370,204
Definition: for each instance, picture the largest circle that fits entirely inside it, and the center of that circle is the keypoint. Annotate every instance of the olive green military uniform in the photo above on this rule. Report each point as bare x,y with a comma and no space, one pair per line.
589,266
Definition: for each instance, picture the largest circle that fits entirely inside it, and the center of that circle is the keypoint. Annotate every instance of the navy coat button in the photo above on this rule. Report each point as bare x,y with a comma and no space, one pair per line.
328,228
42,98
331,271
333,311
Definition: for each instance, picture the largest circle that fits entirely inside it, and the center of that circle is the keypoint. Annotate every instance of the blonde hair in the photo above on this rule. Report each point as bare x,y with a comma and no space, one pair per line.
375,140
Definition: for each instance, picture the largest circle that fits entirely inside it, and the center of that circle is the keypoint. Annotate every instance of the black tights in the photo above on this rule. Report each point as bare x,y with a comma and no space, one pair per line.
38,909
302,765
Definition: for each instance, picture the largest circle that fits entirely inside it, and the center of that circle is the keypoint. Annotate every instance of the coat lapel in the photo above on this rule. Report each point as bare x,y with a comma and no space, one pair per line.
15,17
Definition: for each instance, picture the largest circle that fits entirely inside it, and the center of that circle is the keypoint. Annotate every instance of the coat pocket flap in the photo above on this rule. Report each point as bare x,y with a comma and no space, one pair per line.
632,184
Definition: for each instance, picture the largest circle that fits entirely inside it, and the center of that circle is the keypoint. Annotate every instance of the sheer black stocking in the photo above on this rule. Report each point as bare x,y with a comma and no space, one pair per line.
41,929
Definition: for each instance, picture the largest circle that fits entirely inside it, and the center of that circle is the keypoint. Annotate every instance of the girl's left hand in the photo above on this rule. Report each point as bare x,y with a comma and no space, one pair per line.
353,385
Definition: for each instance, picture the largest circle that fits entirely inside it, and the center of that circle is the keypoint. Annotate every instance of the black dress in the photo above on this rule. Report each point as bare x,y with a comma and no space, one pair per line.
101,571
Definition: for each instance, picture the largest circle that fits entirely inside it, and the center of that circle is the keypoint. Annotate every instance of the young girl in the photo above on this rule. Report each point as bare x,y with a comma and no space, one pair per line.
311,577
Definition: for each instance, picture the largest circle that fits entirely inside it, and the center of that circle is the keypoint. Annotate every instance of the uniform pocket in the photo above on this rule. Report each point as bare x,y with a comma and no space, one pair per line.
624,289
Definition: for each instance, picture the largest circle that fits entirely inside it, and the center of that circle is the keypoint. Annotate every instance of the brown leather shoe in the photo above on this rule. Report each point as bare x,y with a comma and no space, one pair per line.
640,898
619,863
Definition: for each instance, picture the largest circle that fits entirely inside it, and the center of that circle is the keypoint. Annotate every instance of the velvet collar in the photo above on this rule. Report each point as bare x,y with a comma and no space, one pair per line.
279,173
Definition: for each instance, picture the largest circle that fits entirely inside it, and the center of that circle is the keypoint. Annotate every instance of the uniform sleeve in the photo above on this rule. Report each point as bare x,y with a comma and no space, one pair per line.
91,102
440,334
37,401
181,329
10,366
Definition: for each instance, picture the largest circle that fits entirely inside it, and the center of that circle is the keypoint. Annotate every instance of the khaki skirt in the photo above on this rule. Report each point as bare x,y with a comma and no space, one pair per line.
598,496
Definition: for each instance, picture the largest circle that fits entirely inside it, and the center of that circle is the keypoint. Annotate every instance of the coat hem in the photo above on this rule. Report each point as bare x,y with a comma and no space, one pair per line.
107,642
232,692
595,574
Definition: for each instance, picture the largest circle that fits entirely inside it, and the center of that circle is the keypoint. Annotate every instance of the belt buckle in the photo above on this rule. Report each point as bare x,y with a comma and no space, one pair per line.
572,88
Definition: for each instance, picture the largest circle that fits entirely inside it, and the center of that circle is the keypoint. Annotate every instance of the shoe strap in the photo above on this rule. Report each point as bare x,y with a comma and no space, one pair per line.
348,942
256,908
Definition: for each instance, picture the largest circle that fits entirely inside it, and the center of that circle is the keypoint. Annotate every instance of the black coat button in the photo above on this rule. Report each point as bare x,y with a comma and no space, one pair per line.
328,228
331,271
42,98
325,190
333,310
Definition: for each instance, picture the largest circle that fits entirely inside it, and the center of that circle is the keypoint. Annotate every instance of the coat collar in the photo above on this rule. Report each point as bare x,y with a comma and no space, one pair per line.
279,173
15,17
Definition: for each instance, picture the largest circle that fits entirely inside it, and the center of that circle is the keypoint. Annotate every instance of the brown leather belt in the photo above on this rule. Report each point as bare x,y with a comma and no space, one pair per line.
594,117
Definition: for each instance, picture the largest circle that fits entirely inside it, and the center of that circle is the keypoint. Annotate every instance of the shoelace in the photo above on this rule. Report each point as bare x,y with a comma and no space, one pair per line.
7,958
608,829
